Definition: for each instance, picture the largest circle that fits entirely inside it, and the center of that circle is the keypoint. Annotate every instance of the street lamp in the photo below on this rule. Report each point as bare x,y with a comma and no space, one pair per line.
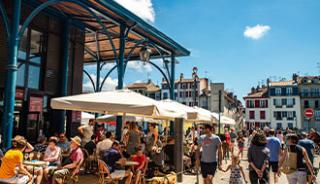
195,79
144,54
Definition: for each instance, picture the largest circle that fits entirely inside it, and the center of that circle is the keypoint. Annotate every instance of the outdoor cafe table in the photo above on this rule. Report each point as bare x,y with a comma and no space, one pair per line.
35,163
128,163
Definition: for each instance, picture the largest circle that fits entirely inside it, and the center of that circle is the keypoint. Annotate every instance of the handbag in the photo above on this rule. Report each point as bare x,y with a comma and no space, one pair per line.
290,163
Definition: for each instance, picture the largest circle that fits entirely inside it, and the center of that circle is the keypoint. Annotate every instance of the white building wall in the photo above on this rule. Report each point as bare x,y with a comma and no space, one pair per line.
296,122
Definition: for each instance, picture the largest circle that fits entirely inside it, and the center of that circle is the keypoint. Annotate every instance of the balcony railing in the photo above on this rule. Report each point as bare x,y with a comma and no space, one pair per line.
310,94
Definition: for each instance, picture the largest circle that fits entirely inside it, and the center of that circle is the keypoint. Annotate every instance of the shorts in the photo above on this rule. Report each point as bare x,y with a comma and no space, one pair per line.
241,148
21,179
118,174
274,166
208,169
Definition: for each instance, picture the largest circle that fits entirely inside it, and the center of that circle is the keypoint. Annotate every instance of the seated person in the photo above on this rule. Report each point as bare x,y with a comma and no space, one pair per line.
42,145
63,143
123,151
38,171
75,160
110,157
12,159
141,159
52,155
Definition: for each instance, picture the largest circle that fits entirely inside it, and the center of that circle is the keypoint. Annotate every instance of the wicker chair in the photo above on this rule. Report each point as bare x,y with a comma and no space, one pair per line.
105,175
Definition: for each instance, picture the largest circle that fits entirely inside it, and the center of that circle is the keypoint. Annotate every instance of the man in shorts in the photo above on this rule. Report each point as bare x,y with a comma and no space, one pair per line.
274,145
72,167
211,148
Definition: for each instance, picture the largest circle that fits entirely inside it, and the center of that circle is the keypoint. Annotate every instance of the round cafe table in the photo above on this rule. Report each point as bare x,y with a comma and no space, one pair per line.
34,164
128,163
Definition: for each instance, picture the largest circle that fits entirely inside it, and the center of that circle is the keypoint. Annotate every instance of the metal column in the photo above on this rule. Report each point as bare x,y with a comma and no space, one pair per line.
11,76
178,148
172,87
65,39
120,67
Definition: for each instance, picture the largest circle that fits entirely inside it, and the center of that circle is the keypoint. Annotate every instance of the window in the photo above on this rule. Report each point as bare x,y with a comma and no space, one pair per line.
187,94
30,58
277,115
317,115
289,91
290,125
165,95
262,114
316,104
277,102
263,103
251,104
284,101
284,114
190,93
279,125
190,104
278,91
290,115
305,92
251,115
181,94
306,104
290,102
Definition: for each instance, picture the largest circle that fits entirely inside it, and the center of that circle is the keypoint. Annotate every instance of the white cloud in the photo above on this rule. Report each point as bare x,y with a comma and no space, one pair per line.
109,85
256,32
139,66
142,8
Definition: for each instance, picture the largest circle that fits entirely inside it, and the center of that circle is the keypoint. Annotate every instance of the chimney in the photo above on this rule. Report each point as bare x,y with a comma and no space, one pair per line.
149,81
253,90
295,77
181,76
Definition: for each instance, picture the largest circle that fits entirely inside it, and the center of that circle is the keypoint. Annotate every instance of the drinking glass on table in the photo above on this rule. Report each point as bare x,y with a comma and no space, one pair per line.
38,155
26,156
31,156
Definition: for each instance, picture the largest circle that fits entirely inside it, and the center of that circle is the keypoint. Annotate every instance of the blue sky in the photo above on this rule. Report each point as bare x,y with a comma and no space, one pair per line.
213,30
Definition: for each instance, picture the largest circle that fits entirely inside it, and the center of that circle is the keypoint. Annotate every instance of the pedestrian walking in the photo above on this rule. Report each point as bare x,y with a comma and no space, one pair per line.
309,146
258,158
274,145
295,162
241,142
236,171
211,156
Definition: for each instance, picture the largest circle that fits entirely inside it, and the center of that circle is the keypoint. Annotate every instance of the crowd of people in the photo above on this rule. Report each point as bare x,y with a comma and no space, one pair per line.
289,153
65,158
268,151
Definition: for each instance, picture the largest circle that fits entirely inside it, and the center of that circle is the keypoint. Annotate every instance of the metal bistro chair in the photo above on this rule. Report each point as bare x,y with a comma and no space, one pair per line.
105,175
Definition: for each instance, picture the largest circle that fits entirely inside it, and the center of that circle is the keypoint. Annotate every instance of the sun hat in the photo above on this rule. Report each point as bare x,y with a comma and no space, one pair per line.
76,140
20,140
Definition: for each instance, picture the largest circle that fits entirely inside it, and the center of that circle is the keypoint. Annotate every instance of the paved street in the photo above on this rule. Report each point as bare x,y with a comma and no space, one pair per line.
221,177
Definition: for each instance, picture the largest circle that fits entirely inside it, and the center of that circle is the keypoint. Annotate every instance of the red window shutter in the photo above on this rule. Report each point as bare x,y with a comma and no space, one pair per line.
266,103
257,103
247,102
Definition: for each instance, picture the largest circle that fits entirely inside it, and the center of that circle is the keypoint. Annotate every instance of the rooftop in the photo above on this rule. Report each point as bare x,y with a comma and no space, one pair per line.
282,83
148,86
260,93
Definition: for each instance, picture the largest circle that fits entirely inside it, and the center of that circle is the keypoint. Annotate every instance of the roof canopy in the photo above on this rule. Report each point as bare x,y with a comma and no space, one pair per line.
112,15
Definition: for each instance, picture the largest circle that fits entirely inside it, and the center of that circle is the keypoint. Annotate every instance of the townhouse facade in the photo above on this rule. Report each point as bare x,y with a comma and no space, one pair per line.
185,91
285,104
257,113
309,88
148,89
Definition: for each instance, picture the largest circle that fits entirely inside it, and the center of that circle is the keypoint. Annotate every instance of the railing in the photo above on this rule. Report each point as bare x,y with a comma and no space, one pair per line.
310,94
